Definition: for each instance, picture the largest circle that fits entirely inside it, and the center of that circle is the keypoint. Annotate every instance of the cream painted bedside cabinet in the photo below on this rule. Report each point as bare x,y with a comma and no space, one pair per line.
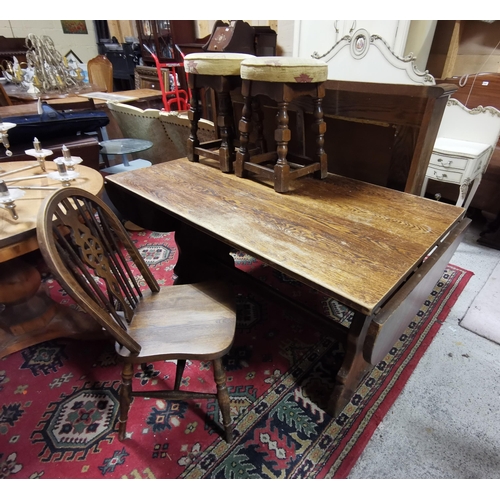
463,148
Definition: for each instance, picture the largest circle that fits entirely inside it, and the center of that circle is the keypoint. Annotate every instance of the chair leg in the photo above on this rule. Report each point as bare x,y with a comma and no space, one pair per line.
125,398
181,363
223,398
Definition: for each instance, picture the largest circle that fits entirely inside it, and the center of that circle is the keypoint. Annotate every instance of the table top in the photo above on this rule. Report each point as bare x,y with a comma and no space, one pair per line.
30,108
13,232
469,149
124,146
354,241
18,92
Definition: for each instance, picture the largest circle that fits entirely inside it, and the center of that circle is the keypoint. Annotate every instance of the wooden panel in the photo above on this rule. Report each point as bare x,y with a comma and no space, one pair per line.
399,155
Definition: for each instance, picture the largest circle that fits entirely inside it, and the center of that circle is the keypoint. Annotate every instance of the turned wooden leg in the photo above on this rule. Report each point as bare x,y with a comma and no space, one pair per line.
125,398
181,364
258,121
223,398
319,129
282,137
354,366
245,126
224,119
194,115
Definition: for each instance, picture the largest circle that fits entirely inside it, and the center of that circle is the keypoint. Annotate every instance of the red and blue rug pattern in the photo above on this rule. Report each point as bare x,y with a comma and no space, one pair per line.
59,399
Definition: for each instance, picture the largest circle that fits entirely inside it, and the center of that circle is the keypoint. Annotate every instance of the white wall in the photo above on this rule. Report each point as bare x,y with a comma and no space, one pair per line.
84,46
419,41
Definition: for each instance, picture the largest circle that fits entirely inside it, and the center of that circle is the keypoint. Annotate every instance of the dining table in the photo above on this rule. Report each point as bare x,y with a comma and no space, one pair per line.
376,250
28,315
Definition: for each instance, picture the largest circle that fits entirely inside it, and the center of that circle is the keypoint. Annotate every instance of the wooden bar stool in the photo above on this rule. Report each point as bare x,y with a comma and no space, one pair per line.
282,79
221,72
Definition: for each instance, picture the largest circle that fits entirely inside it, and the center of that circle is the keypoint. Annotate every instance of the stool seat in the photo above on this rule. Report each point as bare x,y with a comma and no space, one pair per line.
214,63
284,70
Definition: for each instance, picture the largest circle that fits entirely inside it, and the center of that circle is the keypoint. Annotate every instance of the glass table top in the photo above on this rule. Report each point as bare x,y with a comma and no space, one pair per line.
124,146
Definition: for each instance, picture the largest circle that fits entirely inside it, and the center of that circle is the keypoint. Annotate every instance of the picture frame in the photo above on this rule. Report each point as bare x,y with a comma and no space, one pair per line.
71,56
74,27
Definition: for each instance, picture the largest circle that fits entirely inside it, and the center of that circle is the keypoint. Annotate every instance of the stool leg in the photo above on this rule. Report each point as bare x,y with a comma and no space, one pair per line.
244,128
257,121
224,119
282,137
319,129
194,116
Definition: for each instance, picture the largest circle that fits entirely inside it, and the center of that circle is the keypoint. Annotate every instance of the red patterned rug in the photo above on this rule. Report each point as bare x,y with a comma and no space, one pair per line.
59,400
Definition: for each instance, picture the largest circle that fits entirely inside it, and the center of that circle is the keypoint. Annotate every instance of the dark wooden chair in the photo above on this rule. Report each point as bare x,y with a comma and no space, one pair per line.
82,240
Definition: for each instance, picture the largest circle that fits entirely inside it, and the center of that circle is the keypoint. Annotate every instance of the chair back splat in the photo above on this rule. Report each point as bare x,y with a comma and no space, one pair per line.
100,70
92,257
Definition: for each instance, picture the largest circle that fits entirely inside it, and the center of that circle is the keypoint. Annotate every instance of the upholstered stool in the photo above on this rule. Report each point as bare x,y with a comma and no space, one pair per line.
221,72
282,79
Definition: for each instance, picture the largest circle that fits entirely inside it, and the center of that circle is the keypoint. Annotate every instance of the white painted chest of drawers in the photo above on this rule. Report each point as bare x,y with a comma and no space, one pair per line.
458,162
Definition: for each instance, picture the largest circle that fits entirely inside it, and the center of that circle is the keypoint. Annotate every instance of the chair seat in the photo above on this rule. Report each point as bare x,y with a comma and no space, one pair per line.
183,322
215,63
284,70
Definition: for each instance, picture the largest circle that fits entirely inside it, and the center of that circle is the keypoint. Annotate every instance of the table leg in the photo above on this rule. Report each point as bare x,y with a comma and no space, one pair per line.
354,366
125,161
29,316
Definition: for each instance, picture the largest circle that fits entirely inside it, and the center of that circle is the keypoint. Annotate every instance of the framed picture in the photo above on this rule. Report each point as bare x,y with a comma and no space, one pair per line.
74,27
72,57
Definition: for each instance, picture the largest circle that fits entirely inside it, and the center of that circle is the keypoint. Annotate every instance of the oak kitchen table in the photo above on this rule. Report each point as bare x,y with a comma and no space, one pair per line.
378,251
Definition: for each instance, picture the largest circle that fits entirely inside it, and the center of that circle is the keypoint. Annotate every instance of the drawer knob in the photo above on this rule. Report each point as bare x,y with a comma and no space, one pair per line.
444,164
439,176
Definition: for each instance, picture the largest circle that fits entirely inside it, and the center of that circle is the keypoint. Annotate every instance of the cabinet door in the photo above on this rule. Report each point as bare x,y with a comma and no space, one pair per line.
157,37
165,44
146,37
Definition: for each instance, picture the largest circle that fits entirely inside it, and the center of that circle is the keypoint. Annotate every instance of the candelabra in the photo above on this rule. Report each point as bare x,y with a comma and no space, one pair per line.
65,173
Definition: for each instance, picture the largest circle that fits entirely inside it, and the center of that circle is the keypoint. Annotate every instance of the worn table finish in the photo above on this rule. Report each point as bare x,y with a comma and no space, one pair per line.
361,244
